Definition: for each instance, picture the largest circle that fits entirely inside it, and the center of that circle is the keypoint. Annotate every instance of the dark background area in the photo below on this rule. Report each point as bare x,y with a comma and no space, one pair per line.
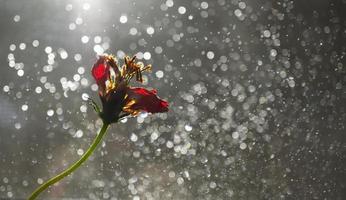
257,93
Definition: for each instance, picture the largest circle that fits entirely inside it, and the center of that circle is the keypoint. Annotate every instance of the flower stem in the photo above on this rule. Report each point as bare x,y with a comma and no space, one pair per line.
72,167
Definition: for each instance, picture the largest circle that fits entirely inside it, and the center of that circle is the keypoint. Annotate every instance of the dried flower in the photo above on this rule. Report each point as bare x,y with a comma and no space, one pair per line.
118,98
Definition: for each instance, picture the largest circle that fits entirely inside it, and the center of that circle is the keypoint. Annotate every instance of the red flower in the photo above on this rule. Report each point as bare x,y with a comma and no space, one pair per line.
119,99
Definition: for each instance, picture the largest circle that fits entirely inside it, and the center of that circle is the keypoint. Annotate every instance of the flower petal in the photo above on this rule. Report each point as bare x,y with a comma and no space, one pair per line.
100,71
145,100
106,73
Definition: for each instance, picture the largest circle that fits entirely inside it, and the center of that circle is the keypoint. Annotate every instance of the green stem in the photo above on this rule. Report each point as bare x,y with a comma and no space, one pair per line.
74,166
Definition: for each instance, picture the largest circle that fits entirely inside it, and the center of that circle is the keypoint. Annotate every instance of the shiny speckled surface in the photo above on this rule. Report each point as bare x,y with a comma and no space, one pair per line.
257,92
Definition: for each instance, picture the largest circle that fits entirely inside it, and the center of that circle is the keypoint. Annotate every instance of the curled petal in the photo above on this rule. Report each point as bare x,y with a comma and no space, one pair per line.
100,71
141,99
106,73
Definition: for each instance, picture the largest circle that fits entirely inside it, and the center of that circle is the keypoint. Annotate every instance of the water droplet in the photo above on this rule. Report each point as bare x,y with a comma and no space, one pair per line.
266,33
147,55
79,133
133,31
50,112
40,181
25,107
35,43
150,30
85,39
182,10
97,39
188,127
80,152
154,136
123,19
169,3
273,52
243,146
180,180
12,47
238,13
204,5
159,74
133,137
235,135
20,72
210,55
16,18
38,90
6,88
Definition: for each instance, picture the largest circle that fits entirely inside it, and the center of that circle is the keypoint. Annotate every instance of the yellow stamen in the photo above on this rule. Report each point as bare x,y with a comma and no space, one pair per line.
110,85
127,108
129,104
130,69
146,68
112,60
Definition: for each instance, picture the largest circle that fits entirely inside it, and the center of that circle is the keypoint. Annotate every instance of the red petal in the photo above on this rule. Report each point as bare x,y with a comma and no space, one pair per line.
100,70
146,100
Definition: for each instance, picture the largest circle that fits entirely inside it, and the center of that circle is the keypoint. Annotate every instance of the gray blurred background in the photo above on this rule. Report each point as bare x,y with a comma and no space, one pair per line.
257,93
